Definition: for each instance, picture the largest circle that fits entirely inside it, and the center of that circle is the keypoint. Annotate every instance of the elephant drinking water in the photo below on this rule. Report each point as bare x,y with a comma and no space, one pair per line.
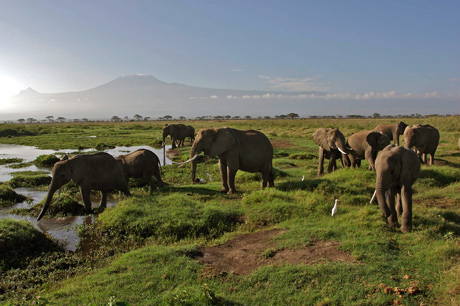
99,171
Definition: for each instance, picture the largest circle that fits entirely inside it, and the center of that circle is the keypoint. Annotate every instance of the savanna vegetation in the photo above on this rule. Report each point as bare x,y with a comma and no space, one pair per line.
149,247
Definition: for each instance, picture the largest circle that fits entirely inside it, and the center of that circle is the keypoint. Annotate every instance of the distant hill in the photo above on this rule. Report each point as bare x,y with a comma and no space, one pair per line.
147,96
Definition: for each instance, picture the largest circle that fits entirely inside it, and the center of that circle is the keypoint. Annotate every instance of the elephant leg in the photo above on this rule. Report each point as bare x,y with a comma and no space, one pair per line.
151,184
406,220
321,161
369,155
158,177
332,164
396,139
399,207
231,179
271,179
223,175
85,194
173,142
103,204
432,159
393,218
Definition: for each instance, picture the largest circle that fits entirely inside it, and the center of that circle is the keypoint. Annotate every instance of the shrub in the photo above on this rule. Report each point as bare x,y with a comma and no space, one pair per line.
46,160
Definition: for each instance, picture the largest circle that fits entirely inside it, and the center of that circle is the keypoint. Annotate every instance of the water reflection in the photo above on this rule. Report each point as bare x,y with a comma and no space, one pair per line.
61,229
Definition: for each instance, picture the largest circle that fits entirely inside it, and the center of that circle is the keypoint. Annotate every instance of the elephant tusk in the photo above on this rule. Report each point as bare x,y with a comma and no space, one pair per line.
187,161
341,151
373,196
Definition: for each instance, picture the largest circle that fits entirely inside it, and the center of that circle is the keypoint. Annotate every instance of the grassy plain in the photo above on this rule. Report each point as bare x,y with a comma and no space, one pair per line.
149,257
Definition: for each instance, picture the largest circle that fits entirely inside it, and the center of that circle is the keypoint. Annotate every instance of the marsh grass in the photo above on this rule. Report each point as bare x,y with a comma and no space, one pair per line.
30,179
389,267
9,197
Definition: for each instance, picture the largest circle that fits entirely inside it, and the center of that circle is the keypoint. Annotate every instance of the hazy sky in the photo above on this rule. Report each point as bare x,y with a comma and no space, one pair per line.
333,46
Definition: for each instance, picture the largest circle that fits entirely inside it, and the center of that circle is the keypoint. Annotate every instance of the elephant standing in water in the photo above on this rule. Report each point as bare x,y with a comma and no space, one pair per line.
365,145
144,164
98,171
249,151
177,132
392,130
424,138
397,169
331,144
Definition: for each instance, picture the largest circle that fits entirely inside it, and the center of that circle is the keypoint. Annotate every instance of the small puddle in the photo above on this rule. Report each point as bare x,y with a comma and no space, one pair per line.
61,229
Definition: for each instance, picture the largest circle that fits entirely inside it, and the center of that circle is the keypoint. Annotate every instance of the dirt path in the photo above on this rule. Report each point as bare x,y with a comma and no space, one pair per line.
248,252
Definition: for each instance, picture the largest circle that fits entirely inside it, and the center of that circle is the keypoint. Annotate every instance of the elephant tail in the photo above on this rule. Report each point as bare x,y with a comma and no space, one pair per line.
271,178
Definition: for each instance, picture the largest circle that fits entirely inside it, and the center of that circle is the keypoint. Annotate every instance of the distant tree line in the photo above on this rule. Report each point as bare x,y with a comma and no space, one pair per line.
138,118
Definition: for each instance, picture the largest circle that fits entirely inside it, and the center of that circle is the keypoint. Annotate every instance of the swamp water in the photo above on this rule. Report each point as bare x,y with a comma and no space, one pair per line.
61,229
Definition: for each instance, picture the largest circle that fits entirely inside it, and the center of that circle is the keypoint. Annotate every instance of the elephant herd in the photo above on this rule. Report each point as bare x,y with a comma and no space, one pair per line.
396,167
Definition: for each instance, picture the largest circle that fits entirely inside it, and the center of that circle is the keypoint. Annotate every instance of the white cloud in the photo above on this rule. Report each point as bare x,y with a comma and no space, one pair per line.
296,84
344,96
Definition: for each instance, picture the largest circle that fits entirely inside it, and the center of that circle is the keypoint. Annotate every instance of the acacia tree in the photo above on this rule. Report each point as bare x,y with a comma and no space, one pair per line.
50,118
60,119
168,117
292,115
21,120
138,117
115,119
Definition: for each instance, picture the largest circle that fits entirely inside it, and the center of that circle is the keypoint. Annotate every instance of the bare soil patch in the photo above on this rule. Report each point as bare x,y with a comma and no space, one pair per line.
281,143
248,252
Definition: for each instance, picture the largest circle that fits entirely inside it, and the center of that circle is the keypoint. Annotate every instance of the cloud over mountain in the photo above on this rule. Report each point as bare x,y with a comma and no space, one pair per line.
148,96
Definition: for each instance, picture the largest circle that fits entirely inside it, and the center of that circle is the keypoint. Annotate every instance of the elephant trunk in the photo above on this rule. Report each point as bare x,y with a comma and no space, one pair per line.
380,193
193,153
49,198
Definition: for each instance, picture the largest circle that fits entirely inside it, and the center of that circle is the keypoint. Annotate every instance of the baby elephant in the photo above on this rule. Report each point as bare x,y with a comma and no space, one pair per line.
397,169
144,164
424,138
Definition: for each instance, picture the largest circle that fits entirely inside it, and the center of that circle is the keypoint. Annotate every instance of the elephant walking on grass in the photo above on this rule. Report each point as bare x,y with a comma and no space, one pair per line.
365,145
397,169
98,171
144,164
249,151
424,138
392,130
331,143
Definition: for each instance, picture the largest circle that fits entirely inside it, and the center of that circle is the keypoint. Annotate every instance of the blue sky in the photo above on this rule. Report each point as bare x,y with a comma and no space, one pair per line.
342,47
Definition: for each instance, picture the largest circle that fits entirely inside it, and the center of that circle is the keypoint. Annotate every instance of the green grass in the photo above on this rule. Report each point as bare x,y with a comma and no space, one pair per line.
147,254
9,197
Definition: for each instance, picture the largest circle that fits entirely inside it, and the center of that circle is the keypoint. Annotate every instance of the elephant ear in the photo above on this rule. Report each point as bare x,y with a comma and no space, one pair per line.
224,139
410,166
320,138
372,139
78,170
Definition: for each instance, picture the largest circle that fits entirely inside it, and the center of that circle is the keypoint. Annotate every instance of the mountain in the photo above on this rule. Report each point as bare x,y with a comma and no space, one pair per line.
147,96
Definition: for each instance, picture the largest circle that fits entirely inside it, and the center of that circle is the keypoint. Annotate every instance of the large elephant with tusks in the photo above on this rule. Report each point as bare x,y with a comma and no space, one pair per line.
249,151
99,171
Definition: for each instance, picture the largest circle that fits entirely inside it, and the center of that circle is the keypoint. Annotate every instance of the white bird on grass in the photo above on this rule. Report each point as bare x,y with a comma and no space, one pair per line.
303,177
334,209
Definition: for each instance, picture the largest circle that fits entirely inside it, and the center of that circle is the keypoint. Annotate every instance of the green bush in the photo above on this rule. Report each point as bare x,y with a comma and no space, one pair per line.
46,160
29,179
9,197
20,241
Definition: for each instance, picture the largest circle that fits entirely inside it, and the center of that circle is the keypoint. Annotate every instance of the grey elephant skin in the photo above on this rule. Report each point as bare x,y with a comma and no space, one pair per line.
365,145
329,141
177,132
425,140
392,130
397,169
142,164
98,171
191,133
249,151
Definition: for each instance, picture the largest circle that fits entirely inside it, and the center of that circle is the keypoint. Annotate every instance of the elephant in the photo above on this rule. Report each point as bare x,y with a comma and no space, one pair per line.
144,164
365,145
424,138
249,151
397,169
331,144
177,132
392,130
99,171
191,133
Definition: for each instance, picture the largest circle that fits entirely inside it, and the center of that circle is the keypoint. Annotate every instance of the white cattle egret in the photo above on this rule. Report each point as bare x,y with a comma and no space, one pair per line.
334,209
303,177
